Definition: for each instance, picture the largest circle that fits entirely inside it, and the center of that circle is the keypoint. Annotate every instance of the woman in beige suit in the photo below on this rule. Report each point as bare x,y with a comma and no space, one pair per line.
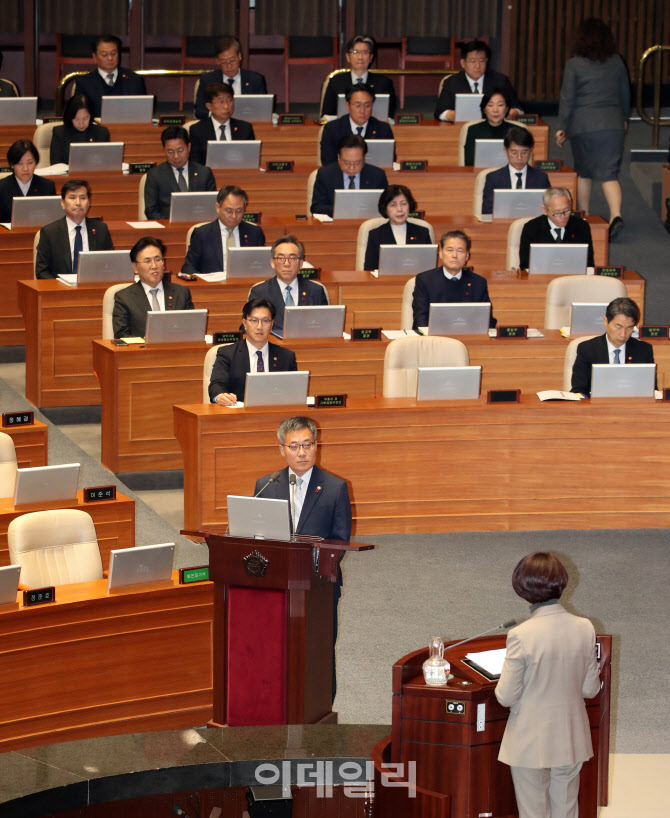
550,668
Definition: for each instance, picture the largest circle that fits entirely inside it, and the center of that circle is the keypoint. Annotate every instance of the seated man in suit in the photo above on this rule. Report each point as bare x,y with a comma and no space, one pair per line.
558,224
285,289
108,78
358,120
518,174
208,249
228,59
616,346
150,293
453,283
475,78
61,241
176,175
361,51
349,173
220,102
253,354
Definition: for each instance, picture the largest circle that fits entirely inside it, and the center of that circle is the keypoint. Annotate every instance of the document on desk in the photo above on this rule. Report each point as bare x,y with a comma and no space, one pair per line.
393,334
321,217
211,276
490,661
144,225
68,278
559,394
59,169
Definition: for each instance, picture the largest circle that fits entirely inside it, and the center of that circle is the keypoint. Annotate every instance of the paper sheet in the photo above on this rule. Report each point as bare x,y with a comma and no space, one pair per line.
144,225
490,660
211,276
68,278
392,334
59,169
321,217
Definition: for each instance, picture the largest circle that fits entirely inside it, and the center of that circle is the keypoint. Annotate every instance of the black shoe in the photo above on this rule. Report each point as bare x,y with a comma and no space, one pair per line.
615,227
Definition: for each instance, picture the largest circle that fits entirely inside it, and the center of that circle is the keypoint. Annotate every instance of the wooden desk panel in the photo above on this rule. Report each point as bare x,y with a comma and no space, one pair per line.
447,466
30,443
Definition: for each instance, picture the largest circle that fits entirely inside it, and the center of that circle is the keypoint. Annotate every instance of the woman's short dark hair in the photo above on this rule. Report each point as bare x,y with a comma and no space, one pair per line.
389,195
16,151
539,577
488,97
594,40
144,242
73,106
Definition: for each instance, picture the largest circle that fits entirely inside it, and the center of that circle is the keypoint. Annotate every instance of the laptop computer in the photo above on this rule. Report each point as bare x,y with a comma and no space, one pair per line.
356,204
314,322
623,380
46,484
224,154
380,152
406,259
276,388
126,110
193,207
489,153
558,259
175,326
95,156
468,107
249,261
18,110
459,319
9,583
254,107
104,265
260,517
448,382
516,204
380,107
144,563
587,318
36,211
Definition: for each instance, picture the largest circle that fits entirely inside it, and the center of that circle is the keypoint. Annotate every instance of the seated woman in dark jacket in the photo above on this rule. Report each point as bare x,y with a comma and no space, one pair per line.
494,108
78,126
22,157
395,203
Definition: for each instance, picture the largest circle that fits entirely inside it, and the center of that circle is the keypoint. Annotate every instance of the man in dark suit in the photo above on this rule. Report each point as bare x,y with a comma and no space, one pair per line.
285,289
360,53
220,125
253,354
518,174
557,225
453,283
7,87
108,78
616,346
349,173
61,241
207,251
150,293
358,120
228,59
177,175
475,78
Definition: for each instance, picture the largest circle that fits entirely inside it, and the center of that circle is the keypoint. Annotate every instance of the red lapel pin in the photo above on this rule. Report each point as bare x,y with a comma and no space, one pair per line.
318,489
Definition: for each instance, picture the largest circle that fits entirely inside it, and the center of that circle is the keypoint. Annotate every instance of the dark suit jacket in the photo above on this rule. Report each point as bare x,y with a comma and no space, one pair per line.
416,234
458,84
54,257
335,130
310,295
482,130
326,509
62,138
537,231
329,179
131,305
9,188
433,288
229,373
8,89
252,83
500,180
128,84
338,84
203,131
205,252
161,184
594,351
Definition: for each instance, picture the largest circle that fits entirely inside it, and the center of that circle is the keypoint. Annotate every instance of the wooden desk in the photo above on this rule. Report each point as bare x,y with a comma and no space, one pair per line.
30,443
94,665
114,521
447,466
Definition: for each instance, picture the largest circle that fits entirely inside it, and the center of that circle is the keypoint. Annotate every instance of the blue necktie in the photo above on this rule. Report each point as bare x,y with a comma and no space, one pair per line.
78,247
617,352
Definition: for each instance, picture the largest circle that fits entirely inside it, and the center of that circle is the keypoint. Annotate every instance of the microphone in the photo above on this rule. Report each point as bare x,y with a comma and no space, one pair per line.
273,478
505,626
291,480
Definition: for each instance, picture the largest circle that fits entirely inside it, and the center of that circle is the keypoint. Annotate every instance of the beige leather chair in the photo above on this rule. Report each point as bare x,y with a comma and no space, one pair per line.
562,291
318,145
140,199
210,357
310,189
405,355
406,313
513,241
372,224
569,360
478,193
36,241
56,547
462,136
7,465
325,289
42,141
108,308
190,233
188,124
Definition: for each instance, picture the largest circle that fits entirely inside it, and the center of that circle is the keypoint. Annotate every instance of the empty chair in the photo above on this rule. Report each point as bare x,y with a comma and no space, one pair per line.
7,465
404,356
563,291
108,309
569,360
372,224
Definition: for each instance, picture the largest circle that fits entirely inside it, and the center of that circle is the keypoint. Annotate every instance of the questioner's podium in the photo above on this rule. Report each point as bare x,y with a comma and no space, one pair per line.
273,627
453,734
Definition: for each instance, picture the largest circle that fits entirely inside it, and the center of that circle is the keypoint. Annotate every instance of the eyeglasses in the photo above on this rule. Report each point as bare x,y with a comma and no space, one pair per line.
229,211
353,165
284,259
476,62
257,321
356,52
556,213
294,448
155,260
229,61
360,106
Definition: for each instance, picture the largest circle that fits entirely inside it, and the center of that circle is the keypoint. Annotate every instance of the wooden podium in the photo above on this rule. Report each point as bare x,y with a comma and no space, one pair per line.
273,627
453,735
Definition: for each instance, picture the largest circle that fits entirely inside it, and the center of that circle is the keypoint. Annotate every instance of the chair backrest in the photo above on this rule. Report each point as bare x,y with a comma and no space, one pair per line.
310,188
405,355
513,242
372,224
55,547
42,141
141,217
208,365
36,241
569,360
108,308
562,291
406,312
195,90
463,135
7,465
188,124
318,145
478,192
190,233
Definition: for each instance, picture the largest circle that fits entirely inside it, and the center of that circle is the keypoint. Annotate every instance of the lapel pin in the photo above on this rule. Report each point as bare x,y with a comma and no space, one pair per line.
318,489
93,231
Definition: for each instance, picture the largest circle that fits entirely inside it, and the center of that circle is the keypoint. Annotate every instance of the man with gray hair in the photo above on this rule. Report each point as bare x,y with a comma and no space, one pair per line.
557,225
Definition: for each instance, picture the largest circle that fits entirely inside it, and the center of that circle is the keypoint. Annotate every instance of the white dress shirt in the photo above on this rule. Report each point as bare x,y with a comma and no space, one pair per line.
160,295
237,82
513,176
553,227
217,129
25,186
177,175
224,239
610,352
355,78
295,290
306,477
399,232
449,276
104,74
72,234
253,357
354,128
357,180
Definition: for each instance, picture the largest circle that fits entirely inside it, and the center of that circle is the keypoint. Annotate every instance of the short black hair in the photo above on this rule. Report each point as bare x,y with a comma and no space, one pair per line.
519,136
175,132
390,193
18,148
539,577
213,89
475,45
361,86
362,38
106,38
255,303
224,42
456,234
352,140
146,241
488,97
231,190
75,184
75,104
622,306
289,239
